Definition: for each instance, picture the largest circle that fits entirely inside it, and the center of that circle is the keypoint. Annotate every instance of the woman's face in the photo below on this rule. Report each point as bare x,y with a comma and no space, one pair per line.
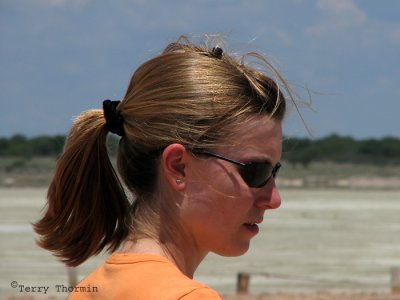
219,210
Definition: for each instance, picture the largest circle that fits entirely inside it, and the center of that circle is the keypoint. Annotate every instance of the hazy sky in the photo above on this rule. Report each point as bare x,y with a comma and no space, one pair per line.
60,57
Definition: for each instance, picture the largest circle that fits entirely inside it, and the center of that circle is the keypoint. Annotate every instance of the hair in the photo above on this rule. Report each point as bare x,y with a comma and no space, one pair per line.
189,94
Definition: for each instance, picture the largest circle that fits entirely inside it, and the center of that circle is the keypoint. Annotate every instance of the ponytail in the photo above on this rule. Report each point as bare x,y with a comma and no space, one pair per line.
87,209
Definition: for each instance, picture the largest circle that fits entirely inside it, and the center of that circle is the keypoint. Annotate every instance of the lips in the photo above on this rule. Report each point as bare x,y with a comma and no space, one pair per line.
252,227
254,221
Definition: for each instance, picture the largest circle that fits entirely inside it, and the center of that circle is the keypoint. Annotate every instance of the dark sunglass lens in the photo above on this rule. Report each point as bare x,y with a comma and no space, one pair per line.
256,174
275,170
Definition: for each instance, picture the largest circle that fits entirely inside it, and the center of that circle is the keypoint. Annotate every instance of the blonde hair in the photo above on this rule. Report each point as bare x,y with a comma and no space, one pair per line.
188,94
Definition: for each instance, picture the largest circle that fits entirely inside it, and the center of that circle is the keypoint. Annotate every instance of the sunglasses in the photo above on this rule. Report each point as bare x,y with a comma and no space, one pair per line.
255,174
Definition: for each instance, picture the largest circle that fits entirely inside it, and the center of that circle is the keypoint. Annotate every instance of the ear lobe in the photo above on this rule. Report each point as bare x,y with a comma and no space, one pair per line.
173,160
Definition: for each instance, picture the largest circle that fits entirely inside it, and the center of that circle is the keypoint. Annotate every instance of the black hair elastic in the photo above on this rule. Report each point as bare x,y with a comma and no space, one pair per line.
217,52
114,120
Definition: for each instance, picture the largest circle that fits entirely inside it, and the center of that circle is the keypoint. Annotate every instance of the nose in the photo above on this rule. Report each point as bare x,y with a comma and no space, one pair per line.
268,197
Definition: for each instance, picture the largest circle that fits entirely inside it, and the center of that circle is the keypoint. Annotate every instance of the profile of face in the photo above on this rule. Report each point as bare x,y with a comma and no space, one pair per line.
219,211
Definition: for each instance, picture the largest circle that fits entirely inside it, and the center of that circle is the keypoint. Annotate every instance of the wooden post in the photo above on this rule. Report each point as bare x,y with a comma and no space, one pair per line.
72,276
243,280
395,279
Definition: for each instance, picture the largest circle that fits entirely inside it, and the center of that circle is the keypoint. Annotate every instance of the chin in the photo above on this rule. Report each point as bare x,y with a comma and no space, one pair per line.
233,250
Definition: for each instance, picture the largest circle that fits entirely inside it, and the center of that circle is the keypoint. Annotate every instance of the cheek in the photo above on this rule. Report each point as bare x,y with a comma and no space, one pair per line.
214,208
213,195
209,223
213,215
208,205
211,178
214,189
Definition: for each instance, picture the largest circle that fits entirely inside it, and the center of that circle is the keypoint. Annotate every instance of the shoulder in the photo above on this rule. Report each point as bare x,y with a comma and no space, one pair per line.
143,277
201,293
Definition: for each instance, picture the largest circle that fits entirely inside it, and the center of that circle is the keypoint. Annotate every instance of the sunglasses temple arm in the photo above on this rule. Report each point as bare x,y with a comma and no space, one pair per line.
221,157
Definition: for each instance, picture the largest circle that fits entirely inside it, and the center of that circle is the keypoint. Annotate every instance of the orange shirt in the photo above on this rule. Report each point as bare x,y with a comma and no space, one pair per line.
140,277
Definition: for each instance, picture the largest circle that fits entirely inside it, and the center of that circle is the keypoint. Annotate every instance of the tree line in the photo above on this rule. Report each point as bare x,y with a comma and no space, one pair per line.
333,148
341,149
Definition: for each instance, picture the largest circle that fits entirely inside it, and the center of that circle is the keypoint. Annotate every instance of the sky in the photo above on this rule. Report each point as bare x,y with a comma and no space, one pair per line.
61,57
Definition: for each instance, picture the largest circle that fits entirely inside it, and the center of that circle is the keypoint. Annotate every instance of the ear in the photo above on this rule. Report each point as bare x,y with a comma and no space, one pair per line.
173,160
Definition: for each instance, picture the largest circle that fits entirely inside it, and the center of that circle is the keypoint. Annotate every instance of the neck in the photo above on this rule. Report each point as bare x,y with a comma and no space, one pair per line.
184,258
167,237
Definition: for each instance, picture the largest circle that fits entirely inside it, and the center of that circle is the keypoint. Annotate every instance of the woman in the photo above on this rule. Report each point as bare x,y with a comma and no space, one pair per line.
200,147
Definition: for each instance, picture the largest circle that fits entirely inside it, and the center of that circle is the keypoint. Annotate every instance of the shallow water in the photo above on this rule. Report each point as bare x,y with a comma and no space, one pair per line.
317,240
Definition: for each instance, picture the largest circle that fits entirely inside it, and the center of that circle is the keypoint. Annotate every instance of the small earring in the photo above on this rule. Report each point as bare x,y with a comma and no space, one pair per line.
178,181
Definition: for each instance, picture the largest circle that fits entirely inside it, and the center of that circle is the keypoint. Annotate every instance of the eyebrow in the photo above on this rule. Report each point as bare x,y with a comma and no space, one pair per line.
258,157
235,161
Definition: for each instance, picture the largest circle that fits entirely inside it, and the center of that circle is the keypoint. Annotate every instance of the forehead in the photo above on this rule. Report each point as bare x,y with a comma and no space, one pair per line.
261,136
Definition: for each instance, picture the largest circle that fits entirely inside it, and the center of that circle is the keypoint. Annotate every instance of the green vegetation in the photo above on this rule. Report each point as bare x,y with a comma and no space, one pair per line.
31,161
40,146
338,149
303,151
332,161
